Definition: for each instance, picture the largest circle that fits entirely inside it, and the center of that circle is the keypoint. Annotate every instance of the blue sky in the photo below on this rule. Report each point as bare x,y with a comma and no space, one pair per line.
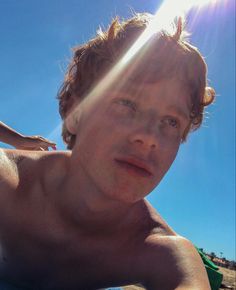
197,196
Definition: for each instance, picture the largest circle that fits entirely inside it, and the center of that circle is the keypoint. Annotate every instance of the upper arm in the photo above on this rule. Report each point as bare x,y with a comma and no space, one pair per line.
178,266
8,173
191,265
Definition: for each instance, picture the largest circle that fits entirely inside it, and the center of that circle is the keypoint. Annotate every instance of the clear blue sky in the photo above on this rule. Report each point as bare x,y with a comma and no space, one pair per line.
197,196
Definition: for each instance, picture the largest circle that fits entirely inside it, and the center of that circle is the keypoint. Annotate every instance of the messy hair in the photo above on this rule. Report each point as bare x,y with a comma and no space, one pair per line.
165,55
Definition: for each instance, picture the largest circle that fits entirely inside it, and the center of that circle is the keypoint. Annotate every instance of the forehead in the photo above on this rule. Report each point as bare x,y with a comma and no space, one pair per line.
171,89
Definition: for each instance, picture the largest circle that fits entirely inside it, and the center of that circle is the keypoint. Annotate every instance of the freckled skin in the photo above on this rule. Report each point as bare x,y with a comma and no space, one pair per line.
79,220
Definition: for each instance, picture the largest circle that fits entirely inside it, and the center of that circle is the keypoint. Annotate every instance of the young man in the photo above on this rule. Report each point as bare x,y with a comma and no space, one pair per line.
78,219
19,141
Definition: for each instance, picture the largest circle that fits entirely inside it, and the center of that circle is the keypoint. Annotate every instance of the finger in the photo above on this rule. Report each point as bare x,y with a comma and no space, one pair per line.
45,140
42,139
48,144
41,149
54,147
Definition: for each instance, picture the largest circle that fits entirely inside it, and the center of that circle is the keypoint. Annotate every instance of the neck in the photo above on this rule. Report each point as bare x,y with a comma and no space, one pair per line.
81,203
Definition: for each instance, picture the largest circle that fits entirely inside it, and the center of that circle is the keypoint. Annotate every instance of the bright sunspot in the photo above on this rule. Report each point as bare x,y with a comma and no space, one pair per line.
164,17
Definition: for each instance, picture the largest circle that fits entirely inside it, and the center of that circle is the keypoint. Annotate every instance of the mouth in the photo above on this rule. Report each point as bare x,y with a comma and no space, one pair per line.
134,167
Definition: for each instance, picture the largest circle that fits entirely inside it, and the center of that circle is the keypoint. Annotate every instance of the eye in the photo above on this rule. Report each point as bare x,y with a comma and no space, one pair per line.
172,122
128,103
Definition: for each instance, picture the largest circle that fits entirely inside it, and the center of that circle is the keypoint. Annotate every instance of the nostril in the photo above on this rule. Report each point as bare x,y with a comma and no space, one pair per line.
139,141
145,141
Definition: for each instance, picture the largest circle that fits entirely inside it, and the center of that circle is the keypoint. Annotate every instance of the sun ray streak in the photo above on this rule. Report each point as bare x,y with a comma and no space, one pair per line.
163,19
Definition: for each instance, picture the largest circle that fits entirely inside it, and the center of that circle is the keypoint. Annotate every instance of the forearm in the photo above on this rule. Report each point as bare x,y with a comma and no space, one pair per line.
22,142
8,135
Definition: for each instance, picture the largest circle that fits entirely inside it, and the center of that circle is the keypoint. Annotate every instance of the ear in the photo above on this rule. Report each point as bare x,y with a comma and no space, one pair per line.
71,121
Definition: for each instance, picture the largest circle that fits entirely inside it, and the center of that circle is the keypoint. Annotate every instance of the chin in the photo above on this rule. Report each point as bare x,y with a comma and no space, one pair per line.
127,196
124,190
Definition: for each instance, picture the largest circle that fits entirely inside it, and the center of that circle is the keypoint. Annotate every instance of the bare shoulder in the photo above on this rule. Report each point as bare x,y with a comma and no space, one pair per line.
18,159
8,167
18,166
167,260
11,160
173,263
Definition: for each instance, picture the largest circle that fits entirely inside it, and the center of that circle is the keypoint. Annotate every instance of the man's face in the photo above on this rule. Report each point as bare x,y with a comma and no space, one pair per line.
128,138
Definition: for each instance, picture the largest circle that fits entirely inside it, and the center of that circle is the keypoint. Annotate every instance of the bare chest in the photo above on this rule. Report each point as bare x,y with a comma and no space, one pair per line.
72,261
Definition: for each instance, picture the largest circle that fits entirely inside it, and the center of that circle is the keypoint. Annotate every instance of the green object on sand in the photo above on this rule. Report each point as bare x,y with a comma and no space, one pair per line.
214,276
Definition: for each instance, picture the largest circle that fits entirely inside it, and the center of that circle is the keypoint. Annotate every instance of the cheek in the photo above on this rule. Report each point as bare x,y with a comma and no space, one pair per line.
167,158
96,141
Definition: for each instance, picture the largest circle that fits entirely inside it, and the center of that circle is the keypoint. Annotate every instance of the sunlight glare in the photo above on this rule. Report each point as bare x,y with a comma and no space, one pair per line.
168,12
163,19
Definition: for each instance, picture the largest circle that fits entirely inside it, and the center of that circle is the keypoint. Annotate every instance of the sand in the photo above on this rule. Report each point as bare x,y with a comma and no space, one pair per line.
229,279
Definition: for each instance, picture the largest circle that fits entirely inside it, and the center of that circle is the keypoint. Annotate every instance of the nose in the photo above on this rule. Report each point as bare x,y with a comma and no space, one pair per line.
144,138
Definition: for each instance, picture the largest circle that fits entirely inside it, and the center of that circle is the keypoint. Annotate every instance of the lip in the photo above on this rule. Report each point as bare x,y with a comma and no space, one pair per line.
135,166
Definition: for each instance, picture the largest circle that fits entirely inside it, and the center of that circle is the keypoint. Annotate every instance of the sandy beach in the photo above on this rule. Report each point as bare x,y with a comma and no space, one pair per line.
229,279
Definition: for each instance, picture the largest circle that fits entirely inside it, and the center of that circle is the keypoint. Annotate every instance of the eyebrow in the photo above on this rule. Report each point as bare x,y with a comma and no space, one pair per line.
126,90
180,112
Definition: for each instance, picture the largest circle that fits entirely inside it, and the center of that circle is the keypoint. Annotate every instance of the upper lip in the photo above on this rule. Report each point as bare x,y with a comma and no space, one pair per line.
142,164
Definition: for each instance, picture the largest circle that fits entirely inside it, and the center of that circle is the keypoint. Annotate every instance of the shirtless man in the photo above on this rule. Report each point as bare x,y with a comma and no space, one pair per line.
78,219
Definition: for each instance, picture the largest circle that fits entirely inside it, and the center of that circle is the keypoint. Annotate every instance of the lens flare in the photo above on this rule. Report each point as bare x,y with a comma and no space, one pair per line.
163,19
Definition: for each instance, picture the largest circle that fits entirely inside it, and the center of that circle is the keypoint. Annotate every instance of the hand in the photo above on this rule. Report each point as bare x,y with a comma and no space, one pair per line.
35,143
